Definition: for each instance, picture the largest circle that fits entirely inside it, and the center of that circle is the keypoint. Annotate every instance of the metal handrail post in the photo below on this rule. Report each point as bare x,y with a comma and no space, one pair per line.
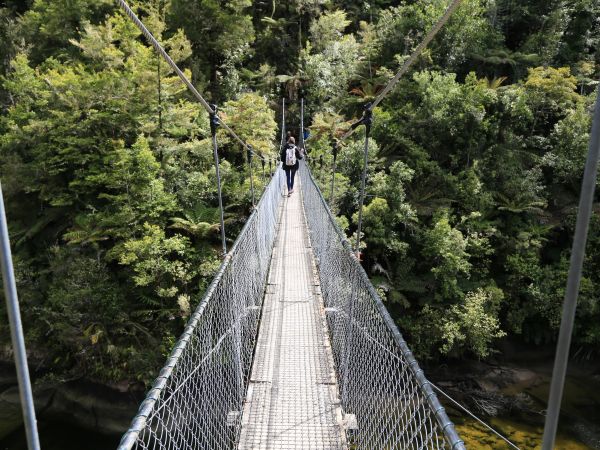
282,122
586,201
366,120
251,175
16,333
301,133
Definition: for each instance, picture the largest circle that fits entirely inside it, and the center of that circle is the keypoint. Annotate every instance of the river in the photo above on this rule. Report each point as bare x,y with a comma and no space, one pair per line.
580,422
61,436
579,426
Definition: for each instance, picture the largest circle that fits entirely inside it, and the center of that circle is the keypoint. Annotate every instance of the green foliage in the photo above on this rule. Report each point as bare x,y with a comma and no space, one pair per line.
475,162
447,246
377,227
220,33
569,139
400,29
481,156
255,121
49,24
473,324
158,261
330,60
328,29
551,91
104,160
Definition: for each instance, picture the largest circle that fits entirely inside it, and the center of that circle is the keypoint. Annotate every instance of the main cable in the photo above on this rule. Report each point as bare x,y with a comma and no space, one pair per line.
410,61
179,72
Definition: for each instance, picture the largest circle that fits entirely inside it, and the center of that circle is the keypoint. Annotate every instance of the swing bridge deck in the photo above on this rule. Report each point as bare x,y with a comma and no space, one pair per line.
293,397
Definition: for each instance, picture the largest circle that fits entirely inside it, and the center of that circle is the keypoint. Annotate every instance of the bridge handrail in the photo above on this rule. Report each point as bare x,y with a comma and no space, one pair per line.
268,204
442,419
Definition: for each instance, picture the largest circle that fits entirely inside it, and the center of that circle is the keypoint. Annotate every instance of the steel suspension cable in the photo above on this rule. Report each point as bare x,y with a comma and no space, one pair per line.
411,60
379,358
301,133
367,118
248,147
561,359
415,54
282,122
249,155
215,120
16,333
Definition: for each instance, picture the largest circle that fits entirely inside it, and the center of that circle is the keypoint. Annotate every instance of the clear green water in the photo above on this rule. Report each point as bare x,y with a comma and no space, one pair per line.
59,436
580,410
523,435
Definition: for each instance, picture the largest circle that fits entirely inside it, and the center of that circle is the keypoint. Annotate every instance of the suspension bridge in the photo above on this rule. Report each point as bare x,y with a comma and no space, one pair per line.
291,347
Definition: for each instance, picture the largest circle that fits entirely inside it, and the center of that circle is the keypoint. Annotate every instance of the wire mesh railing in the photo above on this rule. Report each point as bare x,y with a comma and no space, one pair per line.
196,401
380,381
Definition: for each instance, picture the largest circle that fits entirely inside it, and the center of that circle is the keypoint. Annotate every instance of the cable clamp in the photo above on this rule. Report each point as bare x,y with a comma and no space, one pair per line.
214,119
366,119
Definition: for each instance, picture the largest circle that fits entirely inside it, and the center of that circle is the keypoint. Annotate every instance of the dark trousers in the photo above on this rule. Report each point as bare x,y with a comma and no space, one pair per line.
290,174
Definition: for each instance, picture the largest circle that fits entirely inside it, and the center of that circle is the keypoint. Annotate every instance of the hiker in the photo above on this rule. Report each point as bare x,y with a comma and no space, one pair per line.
290,156
289,136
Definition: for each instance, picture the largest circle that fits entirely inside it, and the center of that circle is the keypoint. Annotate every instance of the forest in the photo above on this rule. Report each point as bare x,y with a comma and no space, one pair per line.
476,161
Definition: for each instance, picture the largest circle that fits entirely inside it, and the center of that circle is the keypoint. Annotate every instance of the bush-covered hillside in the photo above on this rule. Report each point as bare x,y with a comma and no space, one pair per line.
476,160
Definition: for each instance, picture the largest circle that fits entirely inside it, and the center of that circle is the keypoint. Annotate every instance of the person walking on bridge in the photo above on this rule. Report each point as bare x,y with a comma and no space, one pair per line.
290,157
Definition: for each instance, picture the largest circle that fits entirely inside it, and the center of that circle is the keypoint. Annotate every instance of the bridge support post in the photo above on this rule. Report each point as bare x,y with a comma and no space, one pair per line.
16,333
334,150
586,202
282,122
214,123
301,132
366,120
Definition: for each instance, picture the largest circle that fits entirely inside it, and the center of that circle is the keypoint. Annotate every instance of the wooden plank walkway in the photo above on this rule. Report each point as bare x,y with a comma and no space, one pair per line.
293,398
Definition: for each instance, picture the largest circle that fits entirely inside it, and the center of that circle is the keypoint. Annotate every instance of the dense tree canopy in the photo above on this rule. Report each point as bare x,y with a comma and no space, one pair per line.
475,163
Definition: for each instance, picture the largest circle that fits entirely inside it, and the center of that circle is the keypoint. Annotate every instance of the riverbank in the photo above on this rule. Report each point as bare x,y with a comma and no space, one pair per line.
72,414
509,395
55,435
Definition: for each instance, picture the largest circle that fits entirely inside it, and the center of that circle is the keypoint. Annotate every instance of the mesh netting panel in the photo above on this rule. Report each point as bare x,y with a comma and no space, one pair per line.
196,401
380,381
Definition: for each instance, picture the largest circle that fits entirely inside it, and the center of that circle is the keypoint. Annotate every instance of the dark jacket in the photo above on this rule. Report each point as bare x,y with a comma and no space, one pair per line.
282,157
